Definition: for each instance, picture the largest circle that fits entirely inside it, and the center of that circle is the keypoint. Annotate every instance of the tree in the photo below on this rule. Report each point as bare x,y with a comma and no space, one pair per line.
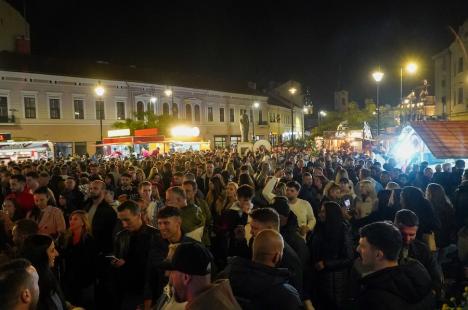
148,119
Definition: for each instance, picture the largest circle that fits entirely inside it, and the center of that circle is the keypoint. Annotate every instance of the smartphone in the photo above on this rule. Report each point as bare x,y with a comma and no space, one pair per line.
111,257
347,204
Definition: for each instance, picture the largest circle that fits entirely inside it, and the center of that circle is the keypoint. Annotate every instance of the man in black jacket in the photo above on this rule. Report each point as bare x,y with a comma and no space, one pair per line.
309,193
388,285
407,222
257,283
133,248
460,202
268,218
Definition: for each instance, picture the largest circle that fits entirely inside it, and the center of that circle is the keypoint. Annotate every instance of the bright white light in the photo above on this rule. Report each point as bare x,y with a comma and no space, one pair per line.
168,92
292,90
118,133
185,131
99,90
153,99
406,101
411,67
305,110
323,113
256,104
378,76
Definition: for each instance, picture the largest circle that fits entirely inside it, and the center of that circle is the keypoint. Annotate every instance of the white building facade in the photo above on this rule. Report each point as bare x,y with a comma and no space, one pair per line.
66,110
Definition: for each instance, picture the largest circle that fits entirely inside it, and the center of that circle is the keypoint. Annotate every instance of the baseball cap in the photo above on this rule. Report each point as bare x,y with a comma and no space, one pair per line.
190,258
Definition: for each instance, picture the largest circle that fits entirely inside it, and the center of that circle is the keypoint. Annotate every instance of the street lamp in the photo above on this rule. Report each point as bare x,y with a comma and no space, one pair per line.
255,106
99,90
411,68
320,115
378,76
292,91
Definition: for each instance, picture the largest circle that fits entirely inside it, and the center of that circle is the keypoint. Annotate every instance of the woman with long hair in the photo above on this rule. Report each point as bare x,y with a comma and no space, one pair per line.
40,251
225,221
244,178
110,182
50,219
366,201
412,198
78,257
216,194
444,210
332,255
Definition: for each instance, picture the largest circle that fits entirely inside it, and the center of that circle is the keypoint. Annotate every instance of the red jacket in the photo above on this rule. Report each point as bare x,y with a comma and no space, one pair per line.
24,199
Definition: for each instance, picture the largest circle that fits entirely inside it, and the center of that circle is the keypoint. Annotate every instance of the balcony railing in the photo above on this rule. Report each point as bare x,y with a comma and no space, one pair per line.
7,119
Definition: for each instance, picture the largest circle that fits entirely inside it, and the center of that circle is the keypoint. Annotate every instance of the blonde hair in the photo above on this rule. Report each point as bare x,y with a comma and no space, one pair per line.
84,218
340,174
369,188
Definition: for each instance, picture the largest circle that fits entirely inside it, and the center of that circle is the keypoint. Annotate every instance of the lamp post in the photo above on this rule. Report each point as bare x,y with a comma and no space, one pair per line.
320,115
411,68
99,90
255,106
292,91
168,92
378,76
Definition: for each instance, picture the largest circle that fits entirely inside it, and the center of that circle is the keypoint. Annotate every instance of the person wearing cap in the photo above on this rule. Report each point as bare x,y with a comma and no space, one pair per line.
190,277
258,283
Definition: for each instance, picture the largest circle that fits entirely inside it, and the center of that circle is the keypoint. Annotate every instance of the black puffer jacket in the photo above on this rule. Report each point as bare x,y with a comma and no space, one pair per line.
402,287
460,204
258,286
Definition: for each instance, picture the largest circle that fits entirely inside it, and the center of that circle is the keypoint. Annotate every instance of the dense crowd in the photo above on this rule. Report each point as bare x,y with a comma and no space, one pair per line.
216,230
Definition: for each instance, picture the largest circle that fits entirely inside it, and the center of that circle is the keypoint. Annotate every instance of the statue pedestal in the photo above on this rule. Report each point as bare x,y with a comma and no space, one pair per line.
244,147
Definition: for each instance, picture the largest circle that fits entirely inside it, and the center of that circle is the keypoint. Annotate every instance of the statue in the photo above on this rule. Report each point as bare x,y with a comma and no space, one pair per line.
244,127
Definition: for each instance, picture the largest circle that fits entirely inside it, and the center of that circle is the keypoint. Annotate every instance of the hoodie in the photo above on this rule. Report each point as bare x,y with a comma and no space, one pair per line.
218,296
402,287
257,286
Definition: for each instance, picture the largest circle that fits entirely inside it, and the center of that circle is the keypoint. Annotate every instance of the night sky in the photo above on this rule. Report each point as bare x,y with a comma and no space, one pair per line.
323,44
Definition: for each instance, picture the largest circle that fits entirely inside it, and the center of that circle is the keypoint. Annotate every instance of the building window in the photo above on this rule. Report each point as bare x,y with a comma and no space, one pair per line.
175,110
221,115
54,108
120,106
231,115
140,110
100,114
442,83
220,141
210,114
80,148
29,107
272,117
460,64
460,95
260,117
3,107
188,112
235,140
78,107
165,108
197,113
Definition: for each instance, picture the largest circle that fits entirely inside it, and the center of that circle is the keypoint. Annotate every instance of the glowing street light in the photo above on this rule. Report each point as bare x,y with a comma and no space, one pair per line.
323,113
256,104
292,91
378,76
153,99
320,115
99,90
185,132
168,92
411,67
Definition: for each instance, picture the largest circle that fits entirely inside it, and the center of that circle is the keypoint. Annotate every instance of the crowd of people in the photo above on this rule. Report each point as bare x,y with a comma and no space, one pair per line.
218,230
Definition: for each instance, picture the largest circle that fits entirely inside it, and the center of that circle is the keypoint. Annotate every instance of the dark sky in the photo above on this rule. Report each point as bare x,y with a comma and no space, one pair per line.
323,44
